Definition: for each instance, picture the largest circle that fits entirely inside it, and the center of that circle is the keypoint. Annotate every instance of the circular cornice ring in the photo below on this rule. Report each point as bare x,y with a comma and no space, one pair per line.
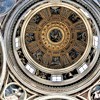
14,67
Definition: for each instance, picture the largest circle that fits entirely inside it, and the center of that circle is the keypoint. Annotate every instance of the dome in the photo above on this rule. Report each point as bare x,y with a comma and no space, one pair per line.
52,49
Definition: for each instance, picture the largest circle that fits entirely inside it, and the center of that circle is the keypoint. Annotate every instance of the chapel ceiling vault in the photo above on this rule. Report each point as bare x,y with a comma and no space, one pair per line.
50,49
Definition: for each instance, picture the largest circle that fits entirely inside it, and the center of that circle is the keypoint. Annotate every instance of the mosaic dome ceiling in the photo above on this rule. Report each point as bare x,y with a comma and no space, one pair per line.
50,47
